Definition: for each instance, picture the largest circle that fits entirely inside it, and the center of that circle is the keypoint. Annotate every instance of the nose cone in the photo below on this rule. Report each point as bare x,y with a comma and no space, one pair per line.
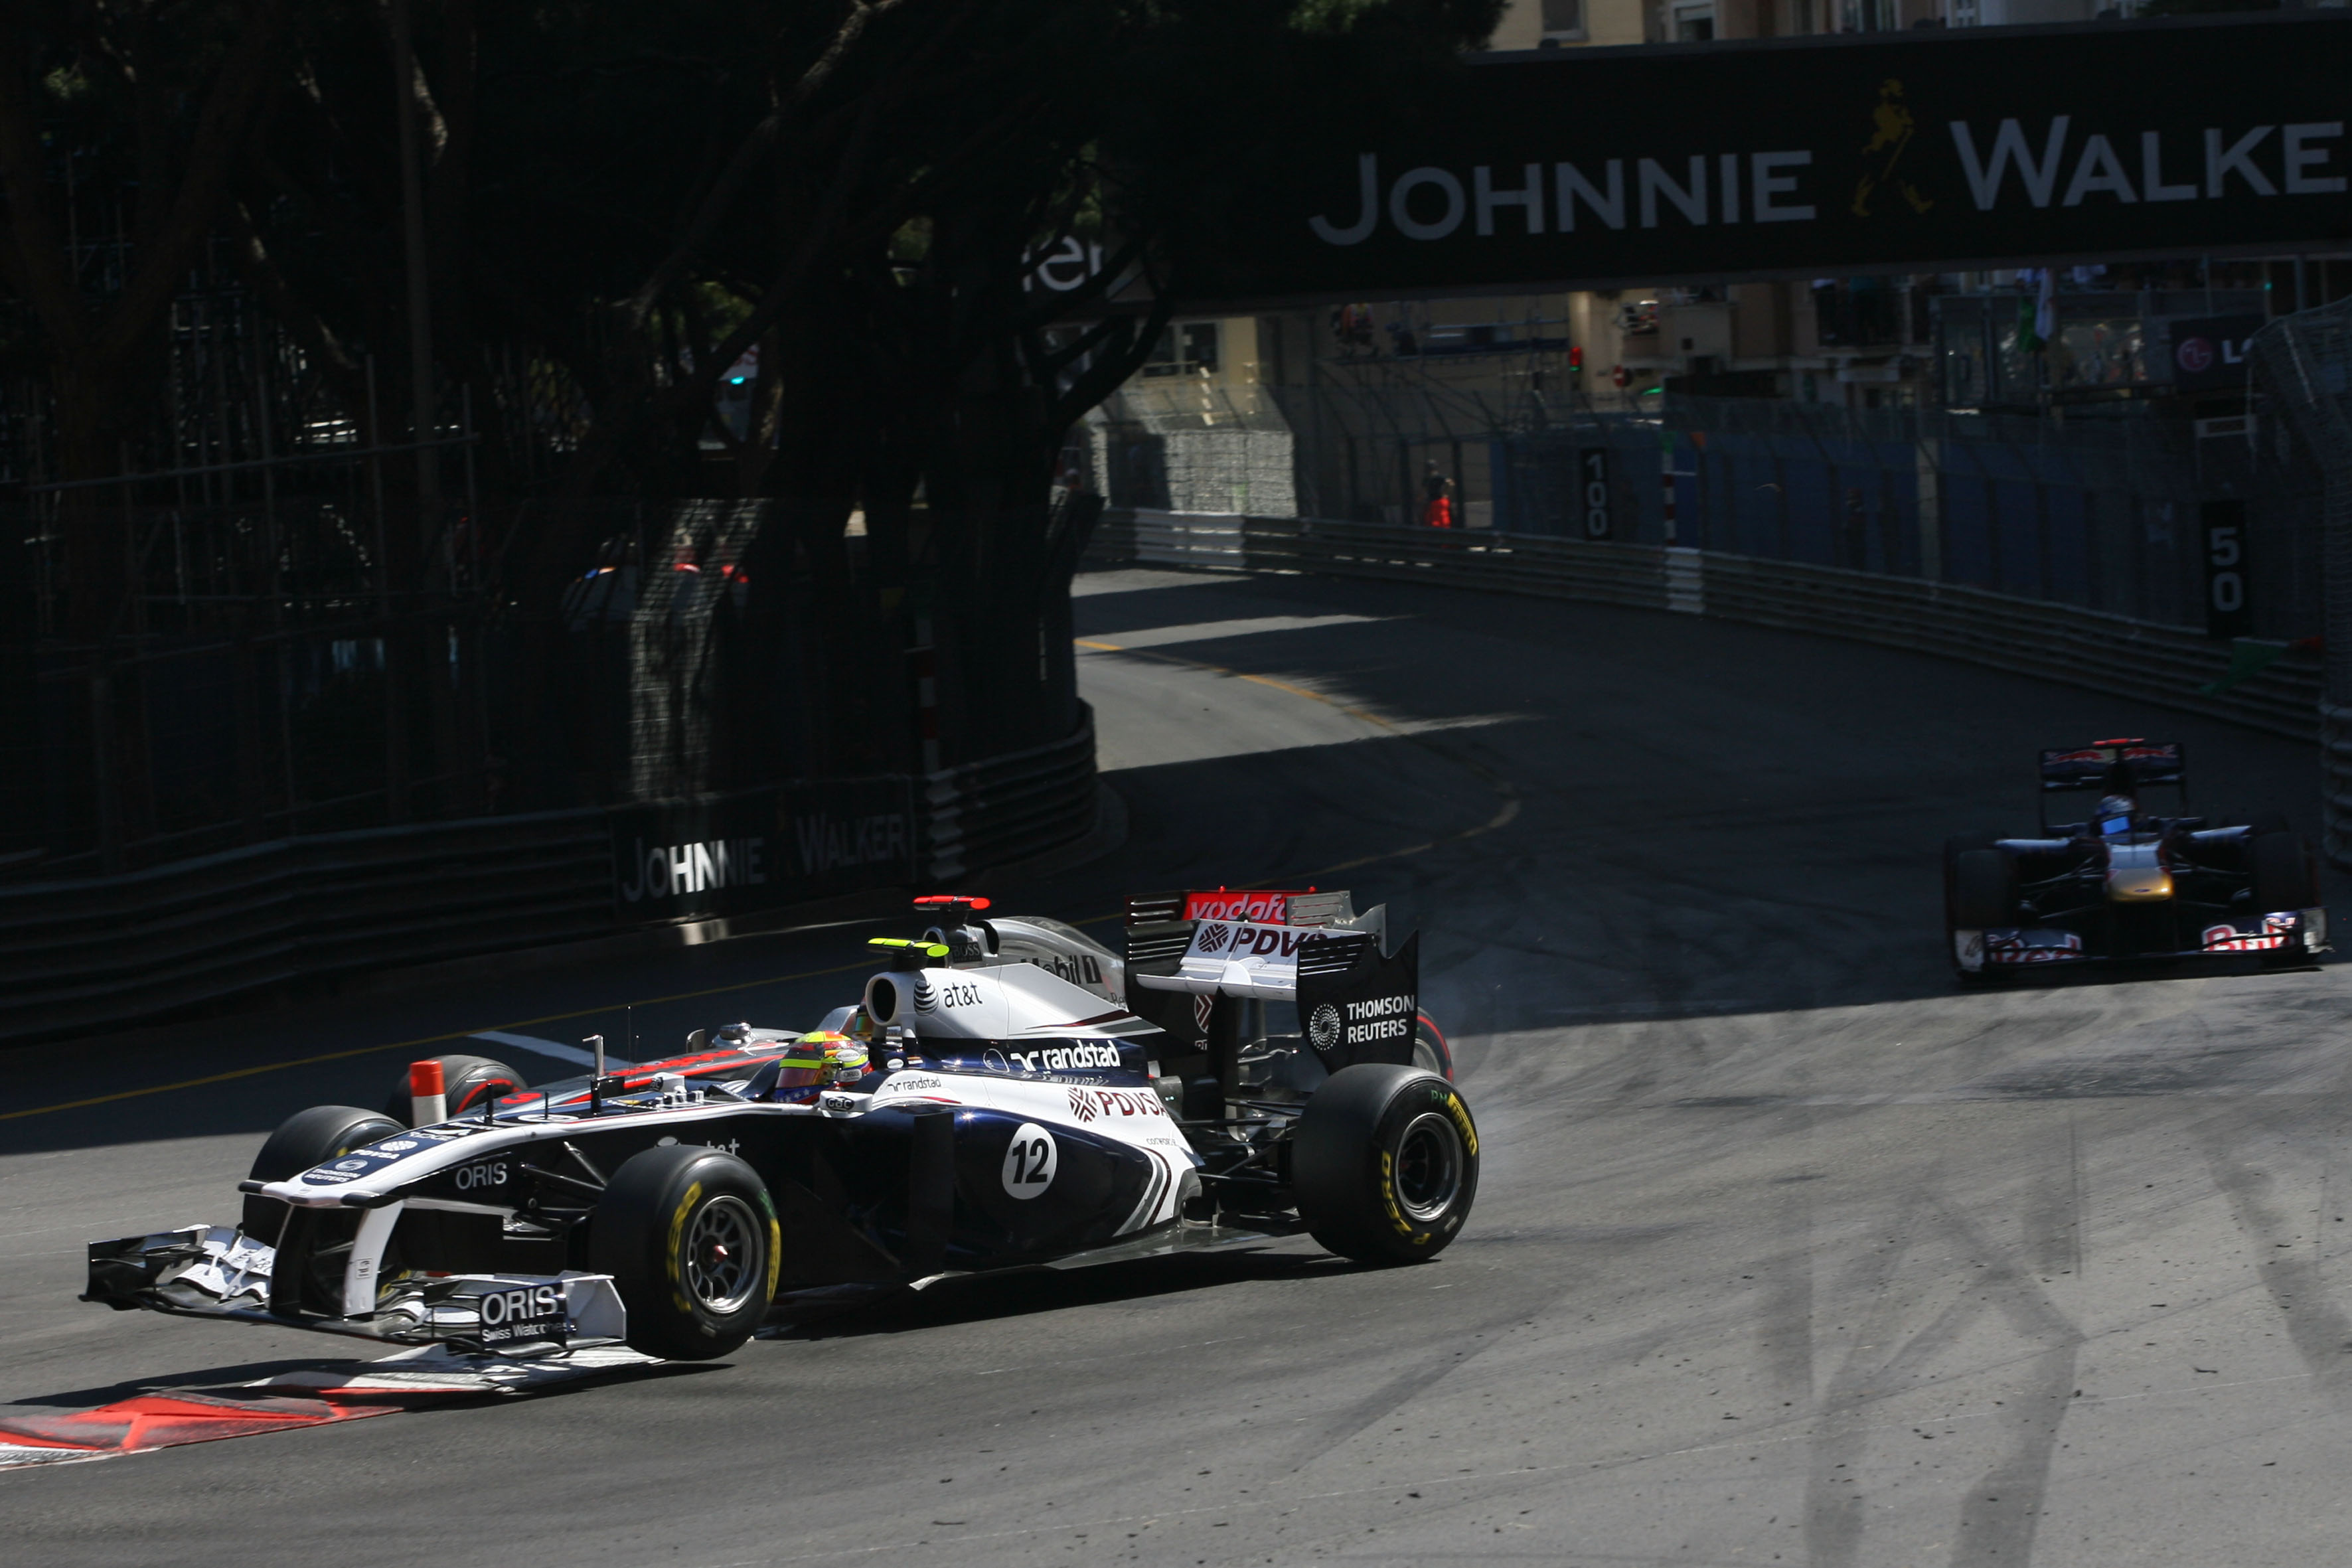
2137,875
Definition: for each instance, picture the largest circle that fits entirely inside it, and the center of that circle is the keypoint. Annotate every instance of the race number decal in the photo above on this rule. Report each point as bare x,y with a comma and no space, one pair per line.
1029,1163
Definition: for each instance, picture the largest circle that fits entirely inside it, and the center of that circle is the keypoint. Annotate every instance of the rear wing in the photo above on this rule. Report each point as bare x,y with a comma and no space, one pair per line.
2115,767
1190,955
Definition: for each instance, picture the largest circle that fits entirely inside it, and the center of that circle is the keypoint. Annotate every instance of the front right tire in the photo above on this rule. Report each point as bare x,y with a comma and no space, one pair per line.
690,1237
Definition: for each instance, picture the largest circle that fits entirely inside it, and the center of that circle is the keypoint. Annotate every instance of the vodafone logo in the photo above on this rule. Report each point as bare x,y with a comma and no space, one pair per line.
1266,905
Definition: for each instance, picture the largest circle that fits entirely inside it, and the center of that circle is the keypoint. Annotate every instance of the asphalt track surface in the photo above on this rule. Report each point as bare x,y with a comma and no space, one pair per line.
1786,1251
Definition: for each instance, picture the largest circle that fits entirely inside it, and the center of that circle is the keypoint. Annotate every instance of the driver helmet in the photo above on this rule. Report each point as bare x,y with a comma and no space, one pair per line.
2114,814
846,1060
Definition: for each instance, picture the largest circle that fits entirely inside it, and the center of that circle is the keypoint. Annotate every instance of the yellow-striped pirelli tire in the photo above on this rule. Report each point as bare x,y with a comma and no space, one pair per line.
1385,1163
690,1236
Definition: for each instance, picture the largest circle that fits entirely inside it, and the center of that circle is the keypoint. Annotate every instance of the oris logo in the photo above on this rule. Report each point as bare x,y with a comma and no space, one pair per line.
1212,938
471,1178
1323,1028
536,1304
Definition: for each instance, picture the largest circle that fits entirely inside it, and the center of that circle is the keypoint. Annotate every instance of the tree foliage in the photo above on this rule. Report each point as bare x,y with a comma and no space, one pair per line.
629,197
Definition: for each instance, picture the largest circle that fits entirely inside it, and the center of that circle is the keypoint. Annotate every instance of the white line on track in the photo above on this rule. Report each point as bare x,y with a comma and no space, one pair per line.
560,1051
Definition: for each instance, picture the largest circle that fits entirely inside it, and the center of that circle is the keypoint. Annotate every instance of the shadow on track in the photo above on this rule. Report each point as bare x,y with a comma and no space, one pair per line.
997,1298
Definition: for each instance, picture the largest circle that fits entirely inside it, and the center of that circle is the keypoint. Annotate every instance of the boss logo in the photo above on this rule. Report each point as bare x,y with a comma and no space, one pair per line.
471,1178
532,1304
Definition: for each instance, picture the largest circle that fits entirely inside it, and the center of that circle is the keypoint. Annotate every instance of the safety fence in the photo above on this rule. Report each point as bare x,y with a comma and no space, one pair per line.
2108,653
101,953
2108,509
2302,377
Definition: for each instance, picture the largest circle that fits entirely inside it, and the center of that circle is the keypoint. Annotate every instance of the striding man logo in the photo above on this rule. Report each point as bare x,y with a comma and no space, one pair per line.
1881,156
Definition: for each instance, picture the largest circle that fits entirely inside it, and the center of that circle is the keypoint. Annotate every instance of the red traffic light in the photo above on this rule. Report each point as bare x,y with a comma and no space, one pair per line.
1575,356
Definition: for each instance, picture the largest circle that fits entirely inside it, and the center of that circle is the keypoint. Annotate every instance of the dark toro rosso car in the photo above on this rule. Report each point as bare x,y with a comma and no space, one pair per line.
1006,1093
2128,884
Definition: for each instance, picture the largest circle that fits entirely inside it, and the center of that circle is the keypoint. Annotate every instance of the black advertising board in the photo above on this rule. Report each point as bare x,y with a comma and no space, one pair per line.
1927,150
2209,354
732,854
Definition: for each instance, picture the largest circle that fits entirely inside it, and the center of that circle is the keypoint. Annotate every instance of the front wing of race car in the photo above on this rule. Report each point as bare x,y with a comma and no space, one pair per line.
2282,934
217,1271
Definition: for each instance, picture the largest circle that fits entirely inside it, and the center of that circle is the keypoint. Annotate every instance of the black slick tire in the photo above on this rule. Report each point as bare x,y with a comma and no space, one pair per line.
2283,878
1384,1165
691,1240
306,1139
2282,873
1984,890
465,1081
1980,892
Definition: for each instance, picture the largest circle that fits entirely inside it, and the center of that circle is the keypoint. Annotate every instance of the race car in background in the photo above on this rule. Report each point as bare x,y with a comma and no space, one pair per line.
1003,1094
2126,885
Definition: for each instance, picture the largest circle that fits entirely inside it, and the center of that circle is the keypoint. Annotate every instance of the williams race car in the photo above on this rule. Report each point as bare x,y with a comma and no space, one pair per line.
1006,1093
2125,884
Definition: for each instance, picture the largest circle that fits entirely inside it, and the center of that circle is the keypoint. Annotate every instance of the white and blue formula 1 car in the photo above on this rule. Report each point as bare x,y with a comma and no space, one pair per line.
1005,1094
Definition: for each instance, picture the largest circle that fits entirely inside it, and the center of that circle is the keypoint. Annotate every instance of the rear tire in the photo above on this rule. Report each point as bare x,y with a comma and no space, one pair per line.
465,1081
304,1140
1385,1163
690,1237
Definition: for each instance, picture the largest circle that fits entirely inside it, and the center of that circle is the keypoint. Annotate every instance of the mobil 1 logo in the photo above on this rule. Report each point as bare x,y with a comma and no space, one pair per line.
1592,491
2227,613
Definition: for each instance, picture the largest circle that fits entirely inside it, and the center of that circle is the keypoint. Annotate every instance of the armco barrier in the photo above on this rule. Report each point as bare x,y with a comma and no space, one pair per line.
83,955
1008,808
2114,654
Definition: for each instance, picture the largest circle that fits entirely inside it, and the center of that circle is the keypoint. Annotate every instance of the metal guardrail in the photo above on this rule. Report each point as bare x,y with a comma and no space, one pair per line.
2108,653
1008,808
76,956
86,954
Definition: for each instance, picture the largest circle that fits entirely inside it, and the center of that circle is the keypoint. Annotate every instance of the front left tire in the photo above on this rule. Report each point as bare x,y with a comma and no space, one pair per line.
303,1140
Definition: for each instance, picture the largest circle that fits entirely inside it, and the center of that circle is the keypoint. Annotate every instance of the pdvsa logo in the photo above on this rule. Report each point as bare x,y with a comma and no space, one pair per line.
1212,938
